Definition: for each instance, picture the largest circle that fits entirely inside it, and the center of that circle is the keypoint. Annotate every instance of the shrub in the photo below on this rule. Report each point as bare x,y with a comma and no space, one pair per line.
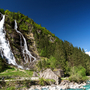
11,88
42,81
78,74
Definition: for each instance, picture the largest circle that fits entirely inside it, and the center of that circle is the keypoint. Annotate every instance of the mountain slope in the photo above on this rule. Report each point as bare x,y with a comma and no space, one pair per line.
42,43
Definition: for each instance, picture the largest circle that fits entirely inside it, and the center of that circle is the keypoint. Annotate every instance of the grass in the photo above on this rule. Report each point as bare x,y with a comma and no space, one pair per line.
10,88
65,78
16,85
14,72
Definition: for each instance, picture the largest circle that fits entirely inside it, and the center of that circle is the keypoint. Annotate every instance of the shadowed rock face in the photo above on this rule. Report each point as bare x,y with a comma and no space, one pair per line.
59,72
1,16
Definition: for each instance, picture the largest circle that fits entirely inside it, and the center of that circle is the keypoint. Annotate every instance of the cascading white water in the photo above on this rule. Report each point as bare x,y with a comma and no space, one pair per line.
5,49
4,45
26,53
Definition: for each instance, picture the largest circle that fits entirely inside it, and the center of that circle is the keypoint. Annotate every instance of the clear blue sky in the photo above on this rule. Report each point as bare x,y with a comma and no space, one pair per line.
67,19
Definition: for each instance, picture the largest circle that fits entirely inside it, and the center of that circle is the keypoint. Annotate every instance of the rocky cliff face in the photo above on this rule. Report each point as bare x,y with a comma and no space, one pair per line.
40,42
14,40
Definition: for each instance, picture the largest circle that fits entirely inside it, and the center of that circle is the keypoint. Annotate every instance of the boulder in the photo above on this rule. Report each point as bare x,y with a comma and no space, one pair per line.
66,86
49,74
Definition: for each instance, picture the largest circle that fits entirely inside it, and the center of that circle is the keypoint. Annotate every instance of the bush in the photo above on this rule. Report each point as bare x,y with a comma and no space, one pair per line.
11,88
78,74
3,65
42,81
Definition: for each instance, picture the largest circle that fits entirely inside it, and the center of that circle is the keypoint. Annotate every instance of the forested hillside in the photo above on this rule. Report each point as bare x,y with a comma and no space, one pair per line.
41,42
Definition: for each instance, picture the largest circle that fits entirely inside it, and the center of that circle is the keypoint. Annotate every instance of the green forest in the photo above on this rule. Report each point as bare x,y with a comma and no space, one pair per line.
59,54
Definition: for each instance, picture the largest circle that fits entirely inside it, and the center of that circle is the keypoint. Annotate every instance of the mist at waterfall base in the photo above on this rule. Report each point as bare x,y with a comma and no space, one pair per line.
5,49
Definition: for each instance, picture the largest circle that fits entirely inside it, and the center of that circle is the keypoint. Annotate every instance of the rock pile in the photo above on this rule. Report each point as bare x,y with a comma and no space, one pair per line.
65,84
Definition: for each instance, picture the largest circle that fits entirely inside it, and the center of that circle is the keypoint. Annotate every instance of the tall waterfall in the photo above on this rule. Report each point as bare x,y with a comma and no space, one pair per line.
26,53
5,49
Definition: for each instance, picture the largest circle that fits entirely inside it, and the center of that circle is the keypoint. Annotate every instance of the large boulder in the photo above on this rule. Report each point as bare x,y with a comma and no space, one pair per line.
49,74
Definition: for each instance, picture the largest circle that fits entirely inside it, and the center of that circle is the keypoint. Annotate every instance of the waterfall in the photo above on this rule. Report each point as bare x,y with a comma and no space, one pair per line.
5,49
26,53
4,45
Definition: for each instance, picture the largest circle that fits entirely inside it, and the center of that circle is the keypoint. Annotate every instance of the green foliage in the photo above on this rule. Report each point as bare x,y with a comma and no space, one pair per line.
64,55
27,83
43,52
23,27
2,11
41,81
7,12
49,63
50,81
59,54
3,65
12,72
11,88
78,74
39,65
52,62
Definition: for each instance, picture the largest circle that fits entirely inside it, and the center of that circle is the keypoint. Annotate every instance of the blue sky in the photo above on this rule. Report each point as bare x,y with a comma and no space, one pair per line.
67,19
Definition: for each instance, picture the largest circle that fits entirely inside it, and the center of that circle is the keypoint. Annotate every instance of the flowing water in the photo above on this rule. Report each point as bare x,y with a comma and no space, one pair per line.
5,49
26,53
87,86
